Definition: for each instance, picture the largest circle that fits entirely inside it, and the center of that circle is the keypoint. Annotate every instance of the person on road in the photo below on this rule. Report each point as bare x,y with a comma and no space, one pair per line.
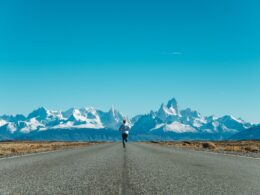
124,128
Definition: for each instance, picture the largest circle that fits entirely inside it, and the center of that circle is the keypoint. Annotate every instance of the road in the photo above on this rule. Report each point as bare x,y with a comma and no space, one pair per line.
140,169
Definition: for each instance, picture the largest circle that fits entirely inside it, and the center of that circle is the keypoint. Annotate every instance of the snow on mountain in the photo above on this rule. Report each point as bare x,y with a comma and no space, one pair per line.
92,117
80,118
42,114
179,127
76,115
8,128
30,125
163,113
173,107
176,127
233,123
146,123
72,113
225,124
168,112
112,119
43,119
192,118
210,119
2,122
169,119
135,118
11,127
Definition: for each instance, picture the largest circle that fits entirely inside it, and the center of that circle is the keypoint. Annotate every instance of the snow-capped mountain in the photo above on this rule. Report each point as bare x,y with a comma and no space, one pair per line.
168,122
169,112
43,119
80,118
171,119
2,122
111,119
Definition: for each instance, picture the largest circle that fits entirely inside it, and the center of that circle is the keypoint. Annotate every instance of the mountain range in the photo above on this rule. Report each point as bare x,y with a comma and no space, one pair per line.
252,133
167,123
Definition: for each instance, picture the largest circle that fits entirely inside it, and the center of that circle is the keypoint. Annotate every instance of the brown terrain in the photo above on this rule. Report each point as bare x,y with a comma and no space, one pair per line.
11,148
217,146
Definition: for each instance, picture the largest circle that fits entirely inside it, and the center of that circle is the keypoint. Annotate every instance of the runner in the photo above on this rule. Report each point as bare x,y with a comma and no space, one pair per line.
124,128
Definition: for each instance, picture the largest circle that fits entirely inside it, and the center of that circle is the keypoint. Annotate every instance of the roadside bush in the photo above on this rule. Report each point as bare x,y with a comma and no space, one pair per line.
209,145
251,149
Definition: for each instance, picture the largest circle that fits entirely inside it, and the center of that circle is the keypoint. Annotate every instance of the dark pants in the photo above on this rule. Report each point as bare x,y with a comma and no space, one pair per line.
124,138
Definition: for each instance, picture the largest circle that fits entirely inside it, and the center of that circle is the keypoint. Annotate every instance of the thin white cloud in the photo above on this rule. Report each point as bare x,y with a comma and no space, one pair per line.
176,53
173,53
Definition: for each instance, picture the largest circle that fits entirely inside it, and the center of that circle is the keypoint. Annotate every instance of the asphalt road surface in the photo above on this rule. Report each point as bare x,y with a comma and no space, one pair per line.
140,169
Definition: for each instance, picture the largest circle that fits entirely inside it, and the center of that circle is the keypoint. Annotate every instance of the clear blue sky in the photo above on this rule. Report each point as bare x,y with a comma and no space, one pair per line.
132,54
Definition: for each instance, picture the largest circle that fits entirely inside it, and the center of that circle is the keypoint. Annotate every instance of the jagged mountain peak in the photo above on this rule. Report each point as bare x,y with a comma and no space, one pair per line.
168,119
172,103
69,112
40,112
169,111
230,117
188,120
191,113
113,110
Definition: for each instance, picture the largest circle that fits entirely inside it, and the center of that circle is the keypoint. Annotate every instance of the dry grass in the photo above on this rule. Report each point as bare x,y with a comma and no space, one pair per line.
23,147
233,146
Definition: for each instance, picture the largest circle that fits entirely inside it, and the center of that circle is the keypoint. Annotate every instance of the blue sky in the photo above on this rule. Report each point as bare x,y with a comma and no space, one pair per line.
132,54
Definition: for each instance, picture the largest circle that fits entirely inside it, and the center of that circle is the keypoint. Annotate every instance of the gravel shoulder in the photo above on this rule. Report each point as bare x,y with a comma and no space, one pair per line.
14,148
240,148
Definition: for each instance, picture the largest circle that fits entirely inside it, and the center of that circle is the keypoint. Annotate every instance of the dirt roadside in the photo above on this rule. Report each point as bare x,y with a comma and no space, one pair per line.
245,148
12,148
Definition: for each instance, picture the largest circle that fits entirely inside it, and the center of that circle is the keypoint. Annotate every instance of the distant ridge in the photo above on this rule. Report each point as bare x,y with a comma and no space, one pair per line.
168,122
252,133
